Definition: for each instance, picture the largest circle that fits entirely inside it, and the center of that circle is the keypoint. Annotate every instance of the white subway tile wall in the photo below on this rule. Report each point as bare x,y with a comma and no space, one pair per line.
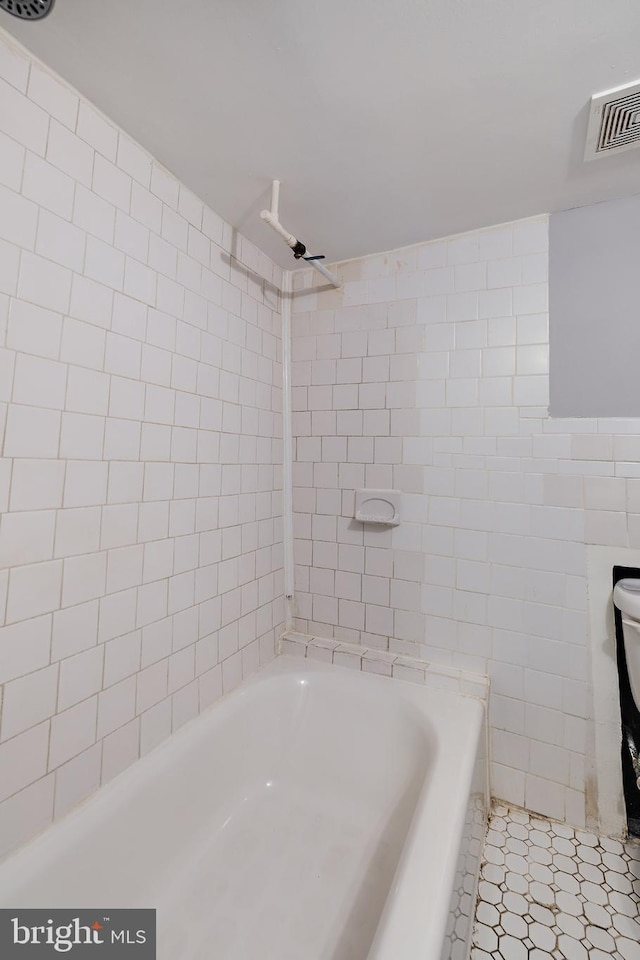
140,478
427,373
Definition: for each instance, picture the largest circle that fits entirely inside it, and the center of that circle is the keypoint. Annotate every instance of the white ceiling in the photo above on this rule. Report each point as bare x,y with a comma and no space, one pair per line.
388,121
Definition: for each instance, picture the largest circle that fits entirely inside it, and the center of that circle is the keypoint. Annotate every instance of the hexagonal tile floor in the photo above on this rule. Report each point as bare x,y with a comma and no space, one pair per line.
548,892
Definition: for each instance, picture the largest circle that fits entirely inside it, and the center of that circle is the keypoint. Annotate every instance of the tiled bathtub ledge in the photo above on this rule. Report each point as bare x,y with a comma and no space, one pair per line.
384,664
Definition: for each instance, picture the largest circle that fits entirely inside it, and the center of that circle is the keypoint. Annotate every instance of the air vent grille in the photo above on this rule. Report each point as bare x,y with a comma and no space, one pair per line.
27,9
614,121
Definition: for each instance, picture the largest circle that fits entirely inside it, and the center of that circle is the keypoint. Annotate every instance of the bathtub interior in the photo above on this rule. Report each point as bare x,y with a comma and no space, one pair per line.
303,865
297,872
273,826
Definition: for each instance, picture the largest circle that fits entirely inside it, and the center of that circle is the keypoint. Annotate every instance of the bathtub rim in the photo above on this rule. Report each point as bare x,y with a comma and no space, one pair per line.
405,928
414,919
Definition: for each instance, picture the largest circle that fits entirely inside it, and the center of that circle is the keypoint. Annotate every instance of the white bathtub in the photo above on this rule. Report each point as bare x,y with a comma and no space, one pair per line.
314,813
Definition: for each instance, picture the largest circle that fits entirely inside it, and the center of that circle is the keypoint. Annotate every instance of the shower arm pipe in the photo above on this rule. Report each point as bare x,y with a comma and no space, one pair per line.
271,218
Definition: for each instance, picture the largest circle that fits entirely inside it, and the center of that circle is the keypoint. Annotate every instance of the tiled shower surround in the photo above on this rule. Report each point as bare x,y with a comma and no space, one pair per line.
428,372
140,432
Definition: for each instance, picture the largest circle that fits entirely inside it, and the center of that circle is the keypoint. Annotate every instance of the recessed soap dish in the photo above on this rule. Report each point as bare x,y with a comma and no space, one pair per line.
378,506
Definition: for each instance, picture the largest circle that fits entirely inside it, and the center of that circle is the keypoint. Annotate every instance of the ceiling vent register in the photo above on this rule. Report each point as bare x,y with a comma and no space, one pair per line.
614,121
27,9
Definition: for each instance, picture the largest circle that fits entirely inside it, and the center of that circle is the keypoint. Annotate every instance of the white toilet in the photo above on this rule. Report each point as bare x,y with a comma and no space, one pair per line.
626,597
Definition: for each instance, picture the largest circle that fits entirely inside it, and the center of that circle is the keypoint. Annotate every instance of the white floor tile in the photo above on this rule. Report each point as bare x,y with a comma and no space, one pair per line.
548,892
